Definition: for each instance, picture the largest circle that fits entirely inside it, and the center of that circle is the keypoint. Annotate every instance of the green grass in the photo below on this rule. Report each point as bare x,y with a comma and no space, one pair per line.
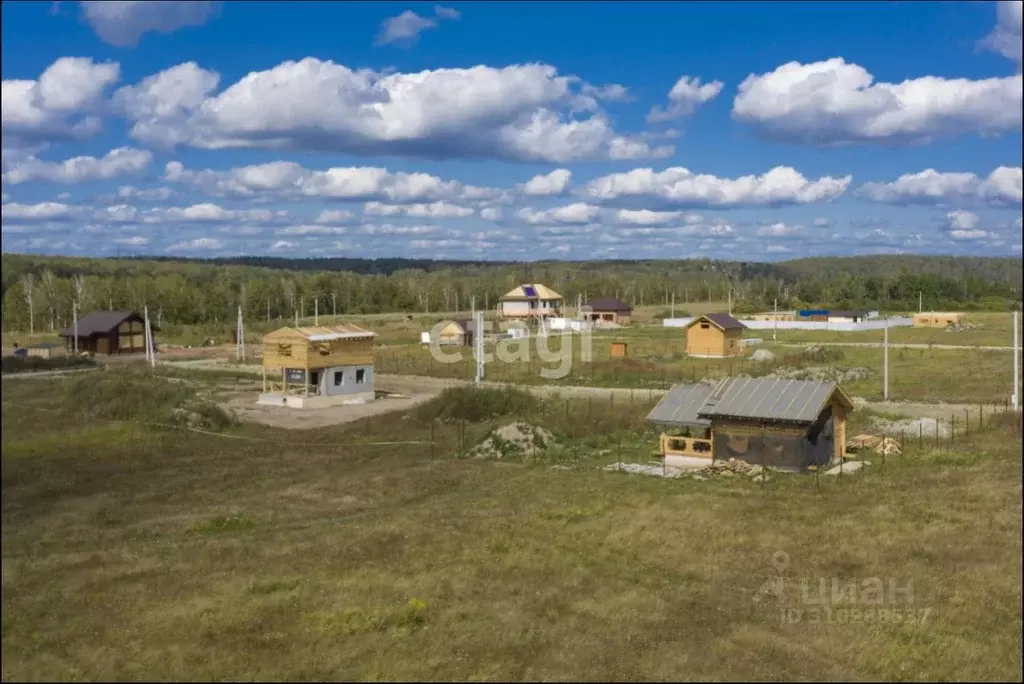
994,330
929,375
169,555
29,364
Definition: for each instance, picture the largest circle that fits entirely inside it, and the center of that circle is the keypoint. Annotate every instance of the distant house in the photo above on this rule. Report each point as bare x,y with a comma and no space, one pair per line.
789,424
714,335
531,301
608,309
780,316
457,333
937,319
846,316
109,332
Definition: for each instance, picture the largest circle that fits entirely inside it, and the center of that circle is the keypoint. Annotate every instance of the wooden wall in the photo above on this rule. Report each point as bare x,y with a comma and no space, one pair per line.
298,352
713,340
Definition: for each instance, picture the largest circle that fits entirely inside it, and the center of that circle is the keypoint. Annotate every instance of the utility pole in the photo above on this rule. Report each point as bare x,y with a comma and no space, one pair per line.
74,310
920,300
316,311
775,325
145,318
334,304
885,361
730,300
478,344
672,311
1016,364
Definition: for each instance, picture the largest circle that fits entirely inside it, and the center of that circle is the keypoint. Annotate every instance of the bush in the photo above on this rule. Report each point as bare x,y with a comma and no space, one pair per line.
137,394
667,313
476,405
28,364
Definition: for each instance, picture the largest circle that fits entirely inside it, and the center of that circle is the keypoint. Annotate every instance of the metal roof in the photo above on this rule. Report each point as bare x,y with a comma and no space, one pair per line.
96,322
722,320
797,401
681,406
608,304
792,401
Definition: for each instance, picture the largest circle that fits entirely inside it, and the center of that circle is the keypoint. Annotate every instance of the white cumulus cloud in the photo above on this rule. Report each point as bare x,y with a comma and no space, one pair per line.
572,214
1002,187
833,102
122,24
681,187
686,95
117,162
432,210
522,112
1006,36
554,183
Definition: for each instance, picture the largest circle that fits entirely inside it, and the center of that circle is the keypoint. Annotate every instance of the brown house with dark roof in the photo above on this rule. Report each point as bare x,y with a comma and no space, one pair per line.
608,309
714,335
109,332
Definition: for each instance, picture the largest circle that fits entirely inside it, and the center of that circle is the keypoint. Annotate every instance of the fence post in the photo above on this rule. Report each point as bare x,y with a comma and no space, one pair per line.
967,422
432,440
920,436
952,429
981,416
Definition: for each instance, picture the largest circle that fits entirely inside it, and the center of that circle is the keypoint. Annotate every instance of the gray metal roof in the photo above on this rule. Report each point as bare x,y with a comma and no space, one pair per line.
797,401
681,406
96,322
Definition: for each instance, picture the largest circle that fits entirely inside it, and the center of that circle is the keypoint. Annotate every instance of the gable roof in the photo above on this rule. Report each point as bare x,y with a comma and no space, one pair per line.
321,333
542,292
608,304
722,320
100,322
790,401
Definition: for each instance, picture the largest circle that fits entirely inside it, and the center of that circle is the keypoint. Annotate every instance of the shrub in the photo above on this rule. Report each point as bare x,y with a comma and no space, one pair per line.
28,364
476,405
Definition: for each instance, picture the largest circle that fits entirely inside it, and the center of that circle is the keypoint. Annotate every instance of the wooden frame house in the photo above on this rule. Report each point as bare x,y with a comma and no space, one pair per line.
789,424
313,367
715,335
457,333
109,332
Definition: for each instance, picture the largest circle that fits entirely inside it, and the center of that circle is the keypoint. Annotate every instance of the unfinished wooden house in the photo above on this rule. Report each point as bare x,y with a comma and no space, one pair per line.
788,424
714,335
609,310
937,319
109,332
313,367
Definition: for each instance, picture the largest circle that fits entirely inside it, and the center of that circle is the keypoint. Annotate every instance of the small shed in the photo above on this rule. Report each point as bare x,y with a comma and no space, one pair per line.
109,332
619,350
937,319
608,309
789,424
313,367
714,335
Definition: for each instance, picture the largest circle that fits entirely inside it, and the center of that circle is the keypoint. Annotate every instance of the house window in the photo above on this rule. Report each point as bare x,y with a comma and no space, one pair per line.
705,326
284,350
360,376
339,377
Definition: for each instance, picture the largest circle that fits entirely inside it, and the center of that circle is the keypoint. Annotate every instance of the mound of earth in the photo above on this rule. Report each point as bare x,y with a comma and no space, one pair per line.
824,373
512,440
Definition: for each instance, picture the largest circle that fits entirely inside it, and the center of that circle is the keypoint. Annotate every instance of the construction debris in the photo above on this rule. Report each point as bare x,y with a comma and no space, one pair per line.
961,327
824,374
762,356
714,469
846,468
514,439
886,446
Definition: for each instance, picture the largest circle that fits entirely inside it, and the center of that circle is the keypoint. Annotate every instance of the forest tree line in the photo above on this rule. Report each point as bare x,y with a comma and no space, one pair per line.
38,292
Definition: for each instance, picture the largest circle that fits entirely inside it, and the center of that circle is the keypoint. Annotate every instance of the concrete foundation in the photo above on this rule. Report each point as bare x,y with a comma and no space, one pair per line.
314,401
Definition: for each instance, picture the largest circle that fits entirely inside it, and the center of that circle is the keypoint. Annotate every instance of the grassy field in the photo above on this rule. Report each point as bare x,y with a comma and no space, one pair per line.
950,375
132,553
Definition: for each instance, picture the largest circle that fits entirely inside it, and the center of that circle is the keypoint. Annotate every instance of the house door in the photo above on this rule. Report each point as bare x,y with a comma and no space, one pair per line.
102,345
314,382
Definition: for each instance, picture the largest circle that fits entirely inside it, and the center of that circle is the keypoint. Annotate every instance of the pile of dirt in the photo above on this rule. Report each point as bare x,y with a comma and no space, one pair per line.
824,373
887,446
513,440
729,468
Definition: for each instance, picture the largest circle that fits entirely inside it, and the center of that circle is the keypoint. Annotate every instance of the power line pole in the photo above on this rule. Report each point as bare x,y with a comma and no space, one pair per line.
885,361
316,311
775,325
1016,365
478,344
74,310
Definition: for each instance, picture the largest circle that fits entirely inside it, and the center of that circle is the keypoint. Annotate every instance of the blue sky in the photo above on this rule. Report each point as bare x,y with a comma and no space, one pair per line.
737,130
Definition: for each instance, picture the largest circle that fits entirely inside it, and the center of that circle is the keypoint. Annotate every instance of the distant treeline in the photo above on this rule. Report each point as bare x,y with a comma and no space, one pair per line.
189,292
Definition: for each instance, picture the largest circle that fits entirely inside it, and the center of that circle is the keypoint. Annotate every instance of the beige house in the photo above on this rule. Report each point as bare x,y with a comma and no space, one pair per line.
788,424
457,333
715,335
933,319
531,301
313,367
